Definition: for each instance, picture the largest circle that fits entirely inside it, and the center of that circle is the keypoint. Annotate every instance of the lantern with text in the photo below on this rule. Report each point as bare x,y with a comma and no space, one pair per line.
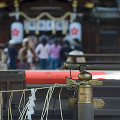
17,32
75,31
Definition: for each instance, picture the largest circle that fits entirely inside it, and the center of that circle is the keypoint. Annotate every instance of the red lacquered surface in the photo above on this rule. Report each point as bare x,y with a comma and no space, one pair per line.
52,77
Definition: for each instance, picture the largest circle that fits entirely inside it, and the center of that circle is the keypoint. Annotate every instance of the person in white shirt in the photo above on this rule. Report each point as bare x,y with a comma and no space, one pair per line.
42,52
76,51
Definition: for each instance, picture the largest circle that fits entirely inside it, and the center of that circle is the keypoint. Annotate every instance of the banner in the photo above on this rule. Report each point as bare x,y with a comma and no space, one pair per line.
46,25
17,32
59,25
75,31
32,25
42,25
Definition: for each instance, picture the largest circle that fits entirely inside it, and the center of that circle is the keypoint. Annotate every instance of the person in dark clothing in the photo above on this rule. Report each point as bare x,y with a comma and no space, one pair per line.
65,49
12,52
76,42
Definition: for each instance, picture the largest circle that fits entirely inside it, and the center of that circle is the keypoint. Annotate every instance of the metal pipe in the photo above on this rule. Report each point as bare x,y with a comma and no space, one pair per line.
85,102
85,97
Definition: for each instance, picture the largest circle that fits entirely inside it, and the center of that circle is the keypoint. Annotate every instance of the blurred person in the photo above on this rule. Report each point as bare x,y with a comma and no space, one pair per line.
43,36
12,52
3,57
65,49
33,40
51,40
68,37
7,54
55,50
42,52
76,42
21,49
60,41
27,55
76,51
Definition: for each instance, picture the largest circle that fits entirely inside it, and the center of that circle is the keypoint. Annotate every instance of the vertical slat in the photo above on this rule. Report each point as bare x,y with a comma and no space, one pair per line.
1,105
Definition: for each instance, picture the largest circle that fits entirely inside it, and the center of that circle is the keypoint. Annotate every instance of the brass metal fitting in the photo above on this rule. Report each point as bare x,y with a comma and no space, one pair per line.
98,103
85,94
85,76
71,66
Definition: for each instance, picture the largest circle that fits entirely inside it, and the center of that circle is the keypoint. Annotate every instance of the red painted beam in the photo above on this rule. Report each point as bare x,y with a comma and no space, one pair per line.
53,77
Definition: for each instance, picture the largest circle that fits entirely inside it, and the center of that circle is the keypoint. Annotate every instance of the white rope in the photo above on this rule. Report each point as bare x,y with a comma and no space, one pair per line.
57,85
20,101
23,113
9,107
47,101
52,90
31,105
46,104
60,104
67,14
26,107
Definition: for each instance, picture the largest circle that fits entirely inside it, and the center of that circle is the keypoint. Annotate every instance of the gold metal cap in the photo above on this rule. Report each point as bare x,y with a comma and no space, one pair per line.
85,76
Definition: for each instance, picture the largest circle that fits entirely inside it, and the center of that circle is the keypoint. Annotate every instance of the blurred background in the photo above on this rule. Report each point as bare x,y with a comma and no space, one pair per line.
94,25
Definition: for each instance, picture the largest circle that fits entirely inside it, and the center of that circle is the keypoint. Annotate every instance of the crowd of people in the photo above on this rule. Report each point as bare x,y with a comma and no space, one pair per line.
45,54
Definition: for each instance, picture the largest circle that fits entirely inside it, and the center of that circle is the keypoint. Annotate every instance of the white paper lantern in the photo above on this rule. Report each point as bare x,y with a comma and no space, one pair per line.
75,31
17,32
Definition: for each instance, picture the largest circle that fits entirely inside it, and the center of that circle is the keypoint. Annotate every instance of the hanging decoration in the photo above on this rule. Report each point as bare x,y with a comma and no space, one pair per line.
35,24
65,25
31,104
75,31
53,27
41,25
17,32
46,25
32,25
67,14
74,5
26,26
16,5
37,28
59,25
17,27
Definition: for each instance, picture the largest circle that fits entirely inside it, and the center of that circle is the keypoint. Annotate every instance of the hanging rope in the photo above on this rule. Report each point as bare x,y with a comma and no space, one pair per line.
25,109
23,112
60,104
57,85
9,107
67,14
47,102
